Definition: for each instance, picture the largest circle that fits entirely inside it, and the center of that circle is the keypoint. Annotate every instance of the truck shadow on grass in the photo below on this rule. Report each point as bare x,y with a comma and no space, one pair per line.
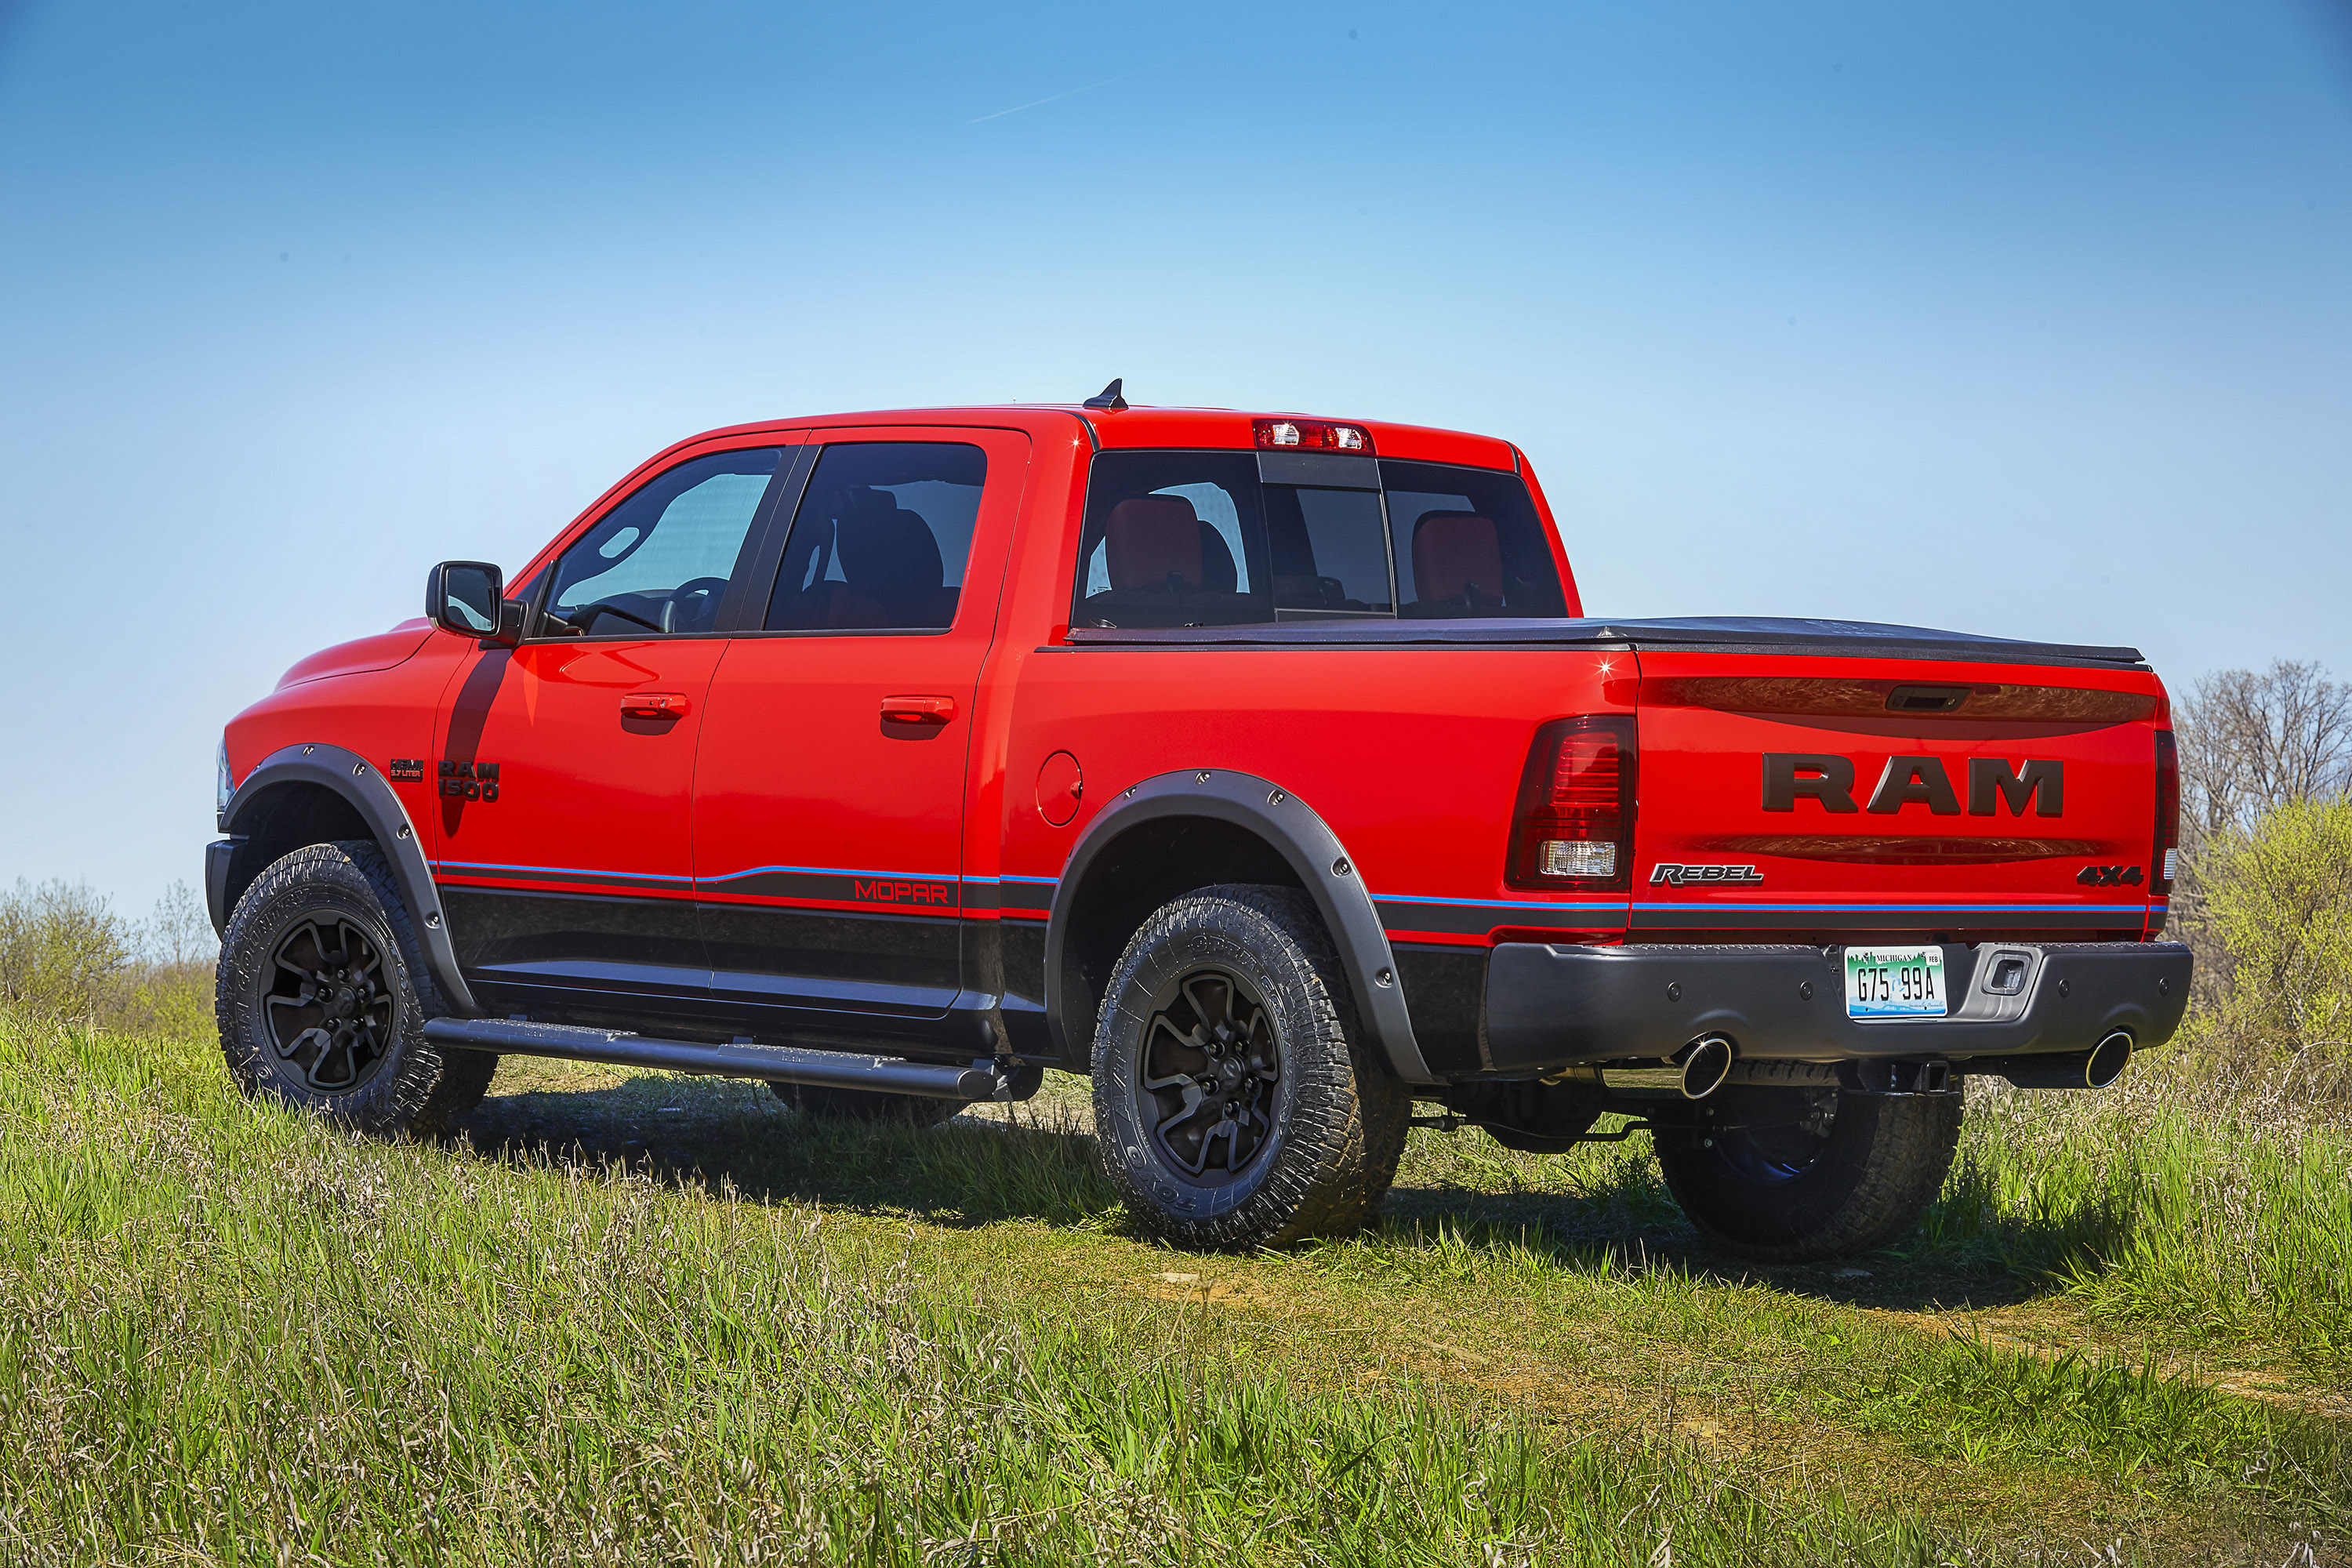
717,1135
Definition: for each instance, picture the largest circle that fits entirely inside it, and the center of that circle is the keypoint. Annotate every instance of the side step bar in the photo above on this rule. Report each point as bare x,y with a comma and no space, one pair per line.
779,1064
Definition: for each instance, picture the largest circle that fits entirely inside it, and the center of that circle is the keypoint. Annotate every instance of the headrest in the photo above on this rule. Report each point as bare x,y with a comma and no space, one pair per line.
1150,537
1454,552
886,554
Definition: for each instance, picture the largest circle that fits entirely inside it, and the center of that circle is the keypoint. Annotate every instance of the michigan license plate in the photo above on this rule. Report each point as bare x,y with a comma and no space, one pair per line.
1894,982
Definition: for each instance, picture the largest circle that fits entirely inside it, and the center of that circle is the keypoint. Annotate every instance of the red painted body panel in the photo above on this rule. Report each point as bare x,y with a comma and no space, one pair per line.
364,654
1701,799
782,766
1423,805
589,799
800,772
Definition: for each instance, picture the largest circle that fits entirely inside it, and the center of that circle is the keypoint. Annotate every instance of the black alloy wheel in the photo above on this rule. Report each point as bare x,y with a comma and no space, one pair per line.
1236,1102
1212,1070
330,1010
322,994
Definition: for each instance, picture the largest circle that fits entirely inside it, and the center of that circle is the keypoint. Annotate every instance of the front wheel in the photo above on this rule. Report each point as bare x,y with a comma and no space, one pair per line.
1796,1175
322,994
1234,1104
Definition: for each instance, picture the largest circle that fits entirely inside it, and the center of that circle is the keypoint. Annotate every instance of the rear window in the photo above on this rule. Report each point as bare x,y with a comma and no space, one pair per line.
1197,539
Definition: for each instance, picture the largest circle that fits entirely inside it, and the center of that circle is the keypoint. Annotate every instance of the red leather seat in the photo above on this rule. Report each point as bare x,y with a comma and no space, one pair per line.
1151,539
1456,556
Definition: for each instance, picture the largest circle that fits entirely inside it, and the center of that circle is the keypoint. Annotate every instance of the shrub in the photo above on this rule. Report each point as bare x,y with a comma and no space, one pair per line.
2279,895
65,953
61,947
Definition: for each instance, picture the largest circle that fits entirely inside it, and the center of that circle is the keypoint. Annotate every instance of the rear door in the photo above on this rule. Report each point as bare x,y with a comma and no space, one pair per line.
565,768
1796,798
829,798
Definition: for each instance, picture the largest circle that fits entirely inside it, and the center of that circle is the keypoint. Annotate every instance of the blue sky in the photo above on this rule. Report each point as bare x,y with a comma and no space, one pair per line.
2027,318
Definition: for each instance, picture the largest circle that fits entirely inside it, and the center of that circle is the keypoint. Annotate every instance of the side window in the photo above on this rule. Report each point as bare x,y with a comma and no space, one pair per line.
658,564
1468,543
881,539
1172,538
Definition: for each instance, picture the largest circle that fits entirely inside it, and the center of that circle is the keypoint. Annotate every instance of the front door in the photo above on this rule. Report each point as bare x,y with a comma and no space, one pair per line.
829,799
566,767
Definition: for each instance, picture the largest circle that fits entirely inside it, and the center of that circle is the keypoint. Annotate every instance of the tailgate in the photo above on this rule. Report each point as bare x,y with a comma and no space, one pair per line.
1795,798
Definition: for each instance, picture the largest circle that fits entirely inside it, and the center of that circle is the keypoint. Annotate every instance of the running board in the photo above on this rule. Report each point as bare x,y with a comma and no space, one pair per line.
778,1064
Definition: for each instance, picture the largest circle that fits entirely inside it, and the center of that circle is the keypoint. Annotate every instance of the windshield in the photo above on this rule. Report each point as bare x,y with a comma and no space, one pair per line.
1202,539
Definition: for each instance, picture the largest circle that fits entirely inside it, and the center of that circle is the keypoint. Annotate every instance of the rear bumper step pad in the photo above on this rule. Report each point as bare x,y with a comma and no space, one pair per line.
777,1064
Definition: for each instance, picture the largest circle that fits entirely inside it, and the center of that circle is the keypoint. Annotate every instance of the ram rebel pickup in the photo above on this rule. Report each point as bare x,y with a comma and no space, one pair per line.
1266,768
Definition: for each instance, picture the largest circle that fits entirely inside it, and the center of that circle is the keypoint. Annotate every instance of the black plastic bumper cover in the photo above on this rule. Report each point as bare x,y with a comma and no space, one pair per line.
1554,1006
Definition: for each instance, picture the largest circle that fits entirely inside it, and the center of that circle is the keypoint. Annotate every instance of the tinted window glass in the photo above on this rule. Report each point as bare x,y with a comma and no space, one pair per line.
659,561
1172,538
1468,543
1196,539
881,539
1329,549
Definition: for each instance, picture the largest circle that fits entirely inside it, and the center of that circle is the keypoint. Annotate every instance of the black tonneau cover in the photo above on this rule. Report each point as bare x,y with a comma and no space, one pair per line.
1724,634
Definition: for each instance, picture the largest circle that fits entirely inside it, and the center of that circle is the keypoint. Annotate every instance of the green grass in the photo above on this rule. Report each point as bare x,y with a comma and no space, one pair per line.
644,1319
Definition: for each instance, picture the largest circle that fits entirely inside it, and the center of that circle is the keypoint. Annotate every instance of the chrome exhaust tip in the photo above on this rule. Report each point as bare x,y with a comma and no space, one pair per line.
2107,1060
1706,1063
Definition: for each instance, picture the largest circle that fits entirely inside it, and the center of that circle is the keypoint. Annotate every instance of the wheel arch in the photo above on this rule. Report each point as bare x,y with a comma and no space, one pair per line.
1195,829
314,793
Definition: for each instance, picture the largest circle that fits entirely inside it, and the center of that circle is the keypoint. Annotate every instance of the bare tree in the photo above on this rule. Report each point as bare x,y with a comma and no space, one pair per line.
2252,743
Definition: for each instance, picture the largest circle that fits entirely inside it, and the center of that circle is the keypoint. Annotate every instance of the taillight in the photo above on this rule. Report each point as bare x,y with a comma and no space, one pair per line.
1313,435
2168,814
1574,826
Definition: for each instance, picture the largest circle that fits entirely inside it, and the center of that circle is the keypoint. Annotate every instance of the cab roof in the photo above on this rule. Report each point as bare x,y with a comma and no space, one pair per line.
1141,425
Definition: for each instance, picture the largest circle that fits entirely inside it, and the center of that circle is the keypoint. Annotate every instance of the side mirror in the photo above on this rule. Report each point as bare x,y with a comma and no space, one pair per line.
469,597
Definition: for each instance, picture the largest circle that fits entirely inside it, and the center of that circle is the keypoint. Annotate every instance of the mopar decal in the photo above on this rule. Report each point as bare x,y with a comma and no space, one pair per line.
890,891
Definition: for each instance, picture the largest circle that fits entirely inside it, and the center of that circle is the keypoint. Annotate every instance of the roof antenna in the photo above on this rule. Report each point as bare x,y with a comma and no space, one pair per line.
1108,398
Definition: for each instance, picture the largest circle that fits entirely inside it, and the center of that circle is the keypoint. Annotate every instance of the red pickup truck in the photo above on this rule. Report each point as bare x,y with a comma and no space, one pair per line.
1268,768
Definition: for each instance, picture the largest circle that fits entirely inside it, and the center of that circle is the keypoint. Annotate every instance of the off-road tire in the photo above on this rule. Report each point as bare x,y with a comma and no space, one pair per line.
1883,1162
411,1086
1336,1119
866,1104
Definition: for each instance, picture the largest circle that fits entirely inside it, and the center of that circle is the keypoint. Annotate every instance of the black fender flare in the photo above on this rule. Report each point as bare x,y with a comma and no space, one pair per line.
1315,854
368,792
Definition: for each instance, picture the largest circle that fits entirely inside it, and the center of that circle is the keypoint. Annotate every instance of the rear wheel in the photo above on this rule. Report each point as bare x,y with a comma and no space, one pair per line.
1815,1174
321,997
1235,1103
866,1104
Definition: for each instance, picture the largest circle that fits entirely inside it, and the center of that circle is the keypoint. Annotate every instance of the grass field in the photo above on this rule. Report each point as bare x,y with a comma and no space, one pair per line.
636,1318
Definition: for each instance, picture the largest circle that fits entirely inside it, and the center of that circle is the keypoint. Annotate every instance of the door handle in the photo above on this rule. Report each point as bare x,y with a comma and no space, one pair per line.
918,710
655,705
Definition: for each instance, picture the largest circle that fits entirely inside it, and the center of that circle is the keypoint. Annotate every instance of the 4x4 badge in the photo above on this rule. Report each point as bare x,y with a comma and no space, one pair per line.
2109,877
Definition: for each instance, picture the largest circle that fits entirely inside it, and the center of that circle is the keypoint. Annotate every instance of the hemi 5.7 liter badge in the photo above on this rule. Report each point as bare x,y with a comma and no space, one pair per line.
406,770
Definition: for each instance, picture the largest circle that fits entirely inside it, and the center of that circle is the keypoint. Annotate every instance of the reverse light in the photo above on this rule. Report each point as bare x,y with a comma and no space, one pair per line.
1313,435
1573,826
2168,814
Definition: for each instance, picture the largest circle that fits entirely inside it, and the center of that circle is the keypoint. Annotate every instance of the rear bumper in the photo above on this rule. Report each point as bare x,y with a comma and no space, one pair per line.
1557,1006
